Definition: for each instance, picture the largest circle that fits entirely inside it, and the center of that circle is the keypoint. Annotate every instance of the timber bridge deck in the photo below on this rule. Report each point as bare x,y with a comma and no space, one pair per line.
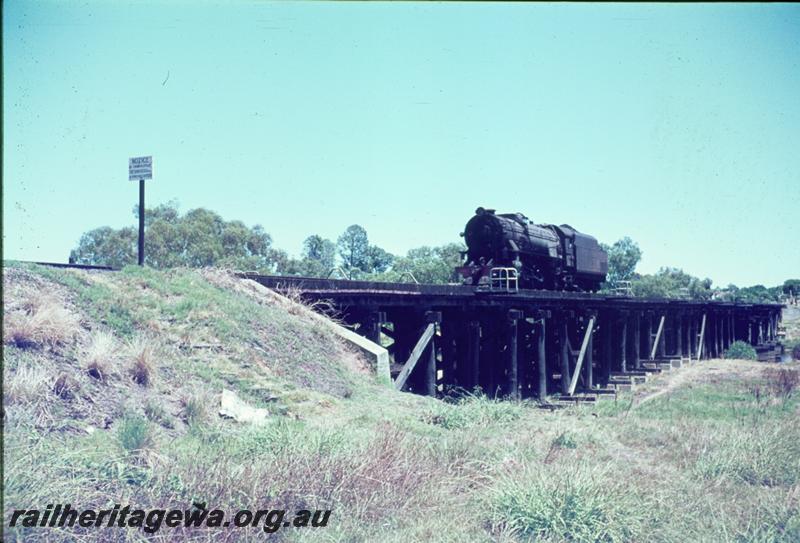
530,343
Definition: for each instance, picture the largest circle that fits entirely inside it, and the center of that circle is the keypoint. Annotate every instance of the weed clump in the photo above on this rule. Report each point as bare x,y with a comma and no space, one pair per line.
473,410
565,440
134,433
100,356
194,409
568,504
155,412
741,350
142,354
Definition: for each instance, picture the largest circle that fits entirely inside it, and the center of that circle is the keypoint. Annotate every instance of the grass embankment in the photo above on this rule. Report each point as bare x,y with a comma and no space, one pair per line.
111,395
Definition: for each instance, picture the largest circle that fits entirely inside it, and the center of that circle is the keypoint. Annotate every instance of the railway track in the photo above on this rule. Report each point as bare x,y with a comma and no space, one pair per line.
380,292
71,266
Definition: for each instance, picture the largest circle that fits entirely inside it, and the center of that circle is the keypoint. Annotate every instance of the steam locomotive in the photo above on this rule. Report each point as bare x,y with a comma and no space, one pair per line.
544,256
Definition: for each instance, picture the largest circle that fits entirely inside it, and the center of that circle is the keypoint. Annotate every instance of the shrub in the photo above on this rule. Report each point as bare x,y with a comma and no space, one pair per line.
741,350
134,433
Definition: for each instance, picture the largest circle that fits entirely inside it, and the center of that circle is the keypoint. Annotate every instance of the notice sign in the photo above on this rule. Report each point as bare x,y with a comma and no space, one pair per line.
140,167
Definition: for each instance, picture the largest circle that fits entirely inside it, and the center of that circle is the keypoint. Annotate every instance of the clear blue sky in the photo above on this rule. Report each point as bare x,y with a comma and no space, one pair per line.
678,125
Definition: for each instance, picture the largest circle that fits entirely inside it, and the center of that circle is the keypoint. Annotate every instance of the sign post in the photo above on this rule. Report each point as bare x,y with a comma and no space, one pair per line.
140,168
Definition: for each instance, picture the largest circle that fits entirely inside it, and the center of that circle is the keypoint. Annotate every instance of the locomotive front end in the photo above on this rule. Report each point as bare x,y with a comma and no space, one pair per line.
483,236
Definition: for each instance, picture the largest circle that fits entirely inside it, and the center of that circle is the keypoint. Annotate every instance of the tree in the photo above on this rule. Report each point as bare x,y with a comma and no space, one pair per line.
378,260
304,267
623,256
757,294
107,247
353,246
791,287
321,250
163,212
428,264
671,283
198,238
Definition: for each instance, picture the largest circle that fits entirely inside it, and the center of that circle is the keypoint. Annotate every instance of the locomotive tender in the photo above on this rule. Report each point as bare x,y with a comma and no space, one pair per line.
545,256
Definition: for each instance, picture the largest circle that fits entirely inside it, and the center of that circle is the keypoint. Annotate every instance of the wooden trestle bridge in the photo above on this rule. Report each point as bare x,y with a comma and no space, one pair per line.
533,343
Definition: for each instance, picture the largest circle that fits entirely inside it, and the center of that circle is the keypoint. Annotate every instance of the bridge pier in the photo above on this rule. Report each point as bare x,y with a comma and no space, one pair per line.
474,353
512,385
563,339
435,318
623,343
637,339
589,362
607,346
541,356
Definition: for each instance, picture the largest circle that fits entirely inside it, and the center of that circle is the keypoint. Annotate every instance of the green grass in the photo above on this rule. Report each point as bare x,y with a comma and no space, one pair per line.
473,410
134,433
577,503
723,401
767,454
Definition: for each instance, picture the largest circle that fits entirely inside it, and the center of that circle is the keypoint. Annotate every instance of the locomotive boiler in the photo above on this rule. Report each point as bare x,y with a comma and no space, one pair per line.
545,256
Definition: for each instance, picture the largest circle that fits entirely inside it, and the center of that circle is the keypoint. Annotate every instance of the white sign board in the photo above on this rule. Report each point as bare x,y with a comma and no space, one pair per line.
140,167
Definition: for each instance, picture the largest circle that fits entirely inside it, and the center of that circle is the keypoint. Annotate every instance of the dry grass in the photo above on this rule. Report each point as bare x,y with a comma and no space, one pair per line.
101,356
141,352
32,391
28,384
44,322
782,382
299,305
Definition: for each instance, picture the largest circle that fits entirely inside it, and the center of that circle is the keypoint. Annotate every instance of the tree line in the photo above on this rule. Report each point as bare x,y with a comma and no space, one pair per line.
201,238
667,282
